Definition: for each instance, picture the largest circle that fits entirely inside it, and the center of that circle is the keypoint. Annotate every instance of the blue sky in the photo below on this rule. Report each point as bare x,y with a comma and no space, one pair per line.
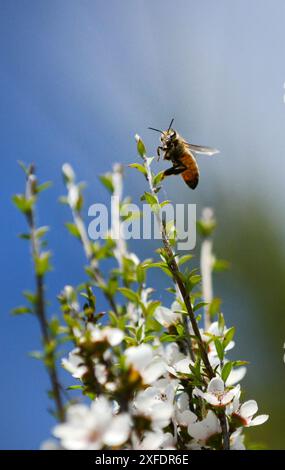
78,79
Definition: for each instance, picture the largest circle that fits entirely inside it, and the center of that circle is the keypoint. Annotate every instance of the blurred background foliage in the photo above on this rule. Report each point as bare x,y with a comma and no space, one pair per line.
78,79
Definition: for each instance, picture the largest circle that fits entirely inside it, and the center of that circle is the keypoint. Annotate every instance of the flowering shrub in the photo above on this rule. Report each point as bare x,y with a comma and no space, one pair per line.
152,376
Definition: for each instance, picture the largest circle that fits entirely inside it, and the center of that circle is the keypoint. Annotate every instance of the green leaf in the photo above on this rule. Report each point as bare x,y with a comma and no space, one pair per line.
36,355
226,371
215,306
23,166
158,178
141,274
221,322
129,294
73,230
152,306
25,236
150,199
206,228
183,259
139,333
139,167
219,348
199,305
221,265
75,387
164,203
21,310
22,203
168,338
140,147
229,336
148,338
180,330
43,186
41,231
239,363
42,263
107,181
30,296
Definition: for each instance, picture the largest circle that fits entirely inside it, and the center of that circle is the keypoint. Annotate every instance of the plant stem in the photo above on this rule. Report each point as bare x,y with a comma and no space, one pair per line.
87,246
40,305
176,274
226,437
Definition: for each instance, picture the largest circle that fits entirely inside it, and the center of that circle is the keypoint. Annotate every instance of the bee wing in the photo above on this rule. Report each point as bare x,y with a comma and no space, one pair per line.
203,150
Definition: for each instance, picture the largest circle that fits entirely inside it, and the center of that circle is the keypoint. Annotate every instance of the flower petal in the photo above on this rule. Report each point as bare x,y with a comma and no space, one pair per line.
216,385
248,409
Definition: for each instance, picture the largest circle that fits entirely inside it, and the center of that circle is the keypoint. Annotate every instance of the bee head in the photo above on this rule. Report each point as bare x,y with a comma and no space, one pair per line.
168,137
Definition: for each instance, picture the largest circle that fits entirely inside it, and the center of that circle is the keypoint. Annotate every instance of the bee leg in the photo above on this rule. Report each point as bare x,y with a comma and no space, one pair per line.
158,152
175,170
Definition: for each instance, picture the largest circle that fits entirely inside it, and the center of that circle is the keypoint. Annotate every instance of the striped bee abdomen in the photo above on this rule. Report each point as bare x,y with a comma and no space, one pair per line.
191,173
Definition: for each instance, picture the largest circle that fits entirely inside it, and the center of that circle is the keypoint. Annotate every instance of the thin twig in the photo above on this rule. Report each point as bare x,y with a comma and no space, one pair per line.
176,274
40,301
90,256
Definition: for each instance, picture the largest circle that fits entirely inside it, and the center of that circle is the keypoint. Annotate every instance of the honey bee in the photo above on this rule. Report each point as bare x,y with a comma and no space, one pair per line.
181,154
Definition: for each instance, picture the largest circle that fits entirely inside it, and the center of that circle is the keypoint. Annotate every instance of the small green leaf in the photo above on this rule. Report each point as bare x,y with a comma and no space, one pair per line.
168,338
42,263
221,265
75,387
43,186
164,203
139,167
215,306
221,322
158,178
229,336
206,228
129,294
21,310
199,305
150,199
73,230
22,203
41,231
226,371
23,166
36,355
107,181
183,259
30,296
140,147
219,348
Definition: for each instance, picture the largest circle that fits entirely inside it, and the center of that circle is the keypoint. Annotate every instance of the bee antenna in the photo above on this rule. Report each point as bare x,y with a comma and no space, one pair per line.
157,130
171,122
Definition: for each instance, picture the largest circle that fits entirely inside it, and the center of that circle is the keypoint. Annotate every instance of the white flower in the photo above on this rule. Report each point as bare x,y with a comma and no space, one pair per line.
177,363
215,330
166,317
152,405
246,412
154,441
236,440
91,428
73,364
216,394
236,376
143,359
184,417
113,336
203,430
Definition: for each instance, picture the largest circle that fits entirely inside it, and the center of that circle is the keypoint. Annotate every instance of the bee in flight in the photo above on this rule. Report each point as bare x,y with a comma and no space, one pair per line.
182,155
